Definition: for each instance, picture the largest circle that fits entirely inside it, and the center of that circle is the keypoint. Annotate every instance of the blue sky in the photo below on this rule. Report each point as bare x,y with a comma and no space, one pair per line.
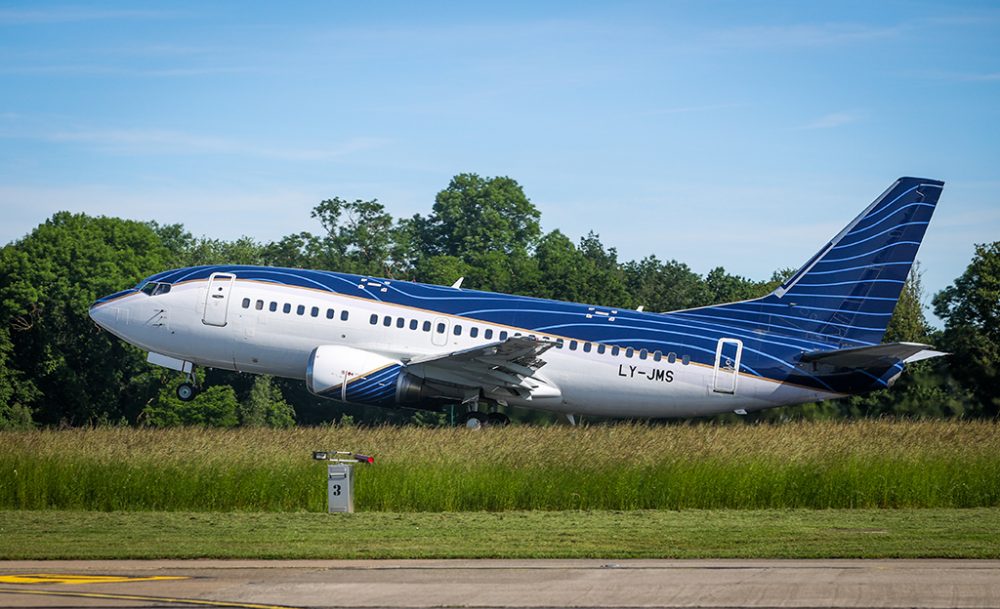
727,134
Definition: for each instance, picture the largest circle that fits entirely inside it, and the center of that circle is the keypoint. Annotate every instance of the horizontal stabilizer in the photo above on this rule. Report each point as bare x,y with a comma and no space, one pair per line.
874,356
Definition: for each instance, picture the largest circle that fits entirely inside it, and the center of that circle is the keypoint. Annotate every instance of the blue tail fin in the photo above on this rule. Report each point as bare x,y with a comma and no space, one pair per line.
845,294
850,287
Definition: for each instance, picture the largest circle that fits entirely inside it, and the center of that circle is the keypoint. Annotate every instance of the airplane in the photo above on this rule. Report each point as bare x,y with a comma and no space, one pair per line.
393,343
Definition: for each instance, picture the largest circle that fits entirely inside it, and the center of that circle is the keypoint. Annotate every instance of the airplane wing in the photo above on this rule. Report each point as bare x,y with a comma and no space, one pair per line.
874,356
510,367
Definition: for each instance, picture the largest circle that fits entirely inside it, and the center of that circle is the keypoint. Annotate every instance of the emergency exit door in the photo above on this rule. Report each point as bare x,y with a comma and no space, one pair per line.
217,299
727,365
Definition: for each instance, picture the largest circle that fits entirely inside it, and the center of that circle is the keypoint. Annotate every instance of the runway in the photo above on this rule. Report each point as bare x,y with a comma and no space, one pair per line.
501,583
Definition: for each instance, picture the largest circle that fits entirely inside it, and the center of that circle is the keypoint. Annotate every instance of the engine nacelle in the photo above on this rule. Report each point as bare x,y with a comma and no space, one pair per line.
353,375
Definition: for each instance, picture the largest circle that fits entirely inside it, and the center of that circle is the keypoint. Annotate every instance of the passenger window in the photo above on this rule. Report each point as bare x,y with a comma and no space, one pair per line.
427,326
314,312
273,306
400,322
503,335
473,332
657,356
259,305
629,352
386,321
643,354
246,303
615,351
586,347
329,313
671,357
572,345
440,329
488,334
301,310
601,348
458,330
686,359
343,315
560,343
373,319
413,324
287,308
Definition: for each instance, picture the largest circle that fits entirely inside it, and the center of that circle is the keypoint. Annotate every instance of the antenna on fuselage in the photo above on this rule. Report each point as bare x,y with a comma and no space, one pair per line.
458,283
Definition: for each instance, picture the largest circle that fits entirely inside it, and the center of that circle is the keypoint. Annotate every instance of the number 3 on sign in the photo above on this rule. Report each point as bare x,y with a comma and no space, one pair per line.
336,490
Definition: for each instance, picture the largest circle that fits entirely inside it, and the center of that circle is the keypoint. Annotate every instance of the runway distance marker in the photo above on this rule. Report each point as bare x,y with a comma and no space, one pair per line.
60,578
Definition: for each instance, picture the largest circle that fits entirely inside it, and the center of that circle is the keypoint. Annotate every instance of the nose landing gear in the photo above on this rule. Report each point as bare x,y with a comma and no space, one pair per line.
187,390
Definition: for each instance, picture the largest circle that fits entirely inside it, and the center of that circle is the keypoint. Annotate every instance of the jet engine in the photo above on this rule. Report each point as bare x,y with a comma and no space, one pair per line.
355,375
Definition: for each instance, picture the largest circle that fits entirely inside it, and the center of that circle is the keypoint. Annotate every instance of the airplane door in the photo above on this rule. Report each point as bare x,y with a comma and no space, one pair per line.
439,332
727,365
217,299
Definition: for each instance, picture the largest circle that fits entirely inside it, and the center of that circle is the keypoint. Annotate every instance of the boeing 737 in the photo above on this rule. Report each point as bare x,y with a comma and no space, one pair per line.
394,343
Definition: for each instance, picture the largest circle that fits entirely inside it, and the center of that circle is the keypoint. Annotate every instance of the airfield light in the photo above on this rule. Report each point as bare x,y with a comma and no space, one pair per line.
364,459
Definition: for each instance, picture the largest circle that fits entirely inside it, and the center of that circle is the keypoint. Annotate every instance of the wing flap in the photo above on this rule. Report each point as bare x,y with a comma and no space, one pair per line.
509,366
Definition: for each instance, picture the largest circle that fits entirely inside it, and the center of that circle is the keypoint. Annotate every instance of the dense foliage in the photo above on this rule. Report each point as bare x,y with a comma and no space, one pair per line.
58,368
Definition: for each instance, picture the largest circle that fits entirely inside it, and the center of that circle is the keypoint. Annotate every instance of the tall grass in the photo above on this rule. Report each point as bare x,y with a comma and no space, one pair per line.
880,464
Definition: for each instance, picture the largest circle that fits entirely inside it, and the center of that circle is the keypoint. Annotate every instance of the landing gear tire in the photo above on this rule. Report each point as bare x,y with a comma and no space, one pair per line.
186,392
497,419
472,420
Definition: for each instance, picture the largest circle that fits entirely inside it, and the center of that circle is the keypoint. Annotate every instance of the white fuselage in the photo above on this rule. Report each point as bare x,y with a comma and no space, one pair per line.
247,329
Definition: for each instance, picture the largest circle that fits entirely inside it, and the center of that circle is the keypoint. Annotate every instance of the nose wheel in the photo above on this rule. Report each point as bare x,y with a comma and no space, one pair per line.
187,390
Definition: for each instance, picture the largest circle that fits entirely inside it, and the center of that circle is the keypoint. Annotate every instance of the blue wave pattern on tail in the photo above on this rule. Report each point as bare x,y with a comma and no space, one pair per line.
845,294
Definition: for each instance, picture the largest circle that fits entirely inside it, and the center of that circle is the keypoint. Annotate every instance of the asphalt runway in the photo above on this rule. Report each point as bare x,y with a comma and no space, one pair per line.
501,583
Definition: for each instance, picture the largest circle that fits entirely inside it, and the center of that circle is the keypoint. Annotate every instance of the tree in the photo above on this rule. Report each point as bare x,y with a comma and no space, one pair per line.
358,238
970,308
475,216
265,406
664,286
58,363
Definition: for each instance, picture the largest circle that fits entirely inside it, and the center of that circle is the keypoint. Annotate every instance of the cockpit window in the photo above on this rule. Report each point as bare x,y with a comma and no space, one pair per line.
154,288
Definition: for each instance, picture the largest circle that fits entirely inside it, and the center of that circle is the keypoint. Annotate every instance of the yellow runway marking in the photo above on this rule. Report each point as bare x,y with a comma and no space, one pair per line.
59,578
148,599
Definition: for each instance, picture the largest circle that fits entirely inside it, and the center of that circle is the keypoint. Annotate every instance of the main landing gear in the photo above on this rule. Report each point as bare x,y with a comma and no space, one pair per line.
476,420
187,390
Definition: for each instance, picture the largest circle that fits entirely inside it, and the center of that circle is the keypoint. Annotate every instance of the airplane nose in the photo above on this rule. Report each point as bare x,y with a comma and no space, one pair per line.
101,314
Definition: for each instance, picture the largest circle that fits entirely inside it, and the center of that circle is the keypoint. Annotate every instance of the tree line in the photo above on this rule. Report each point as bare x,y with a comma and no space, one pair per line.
58,369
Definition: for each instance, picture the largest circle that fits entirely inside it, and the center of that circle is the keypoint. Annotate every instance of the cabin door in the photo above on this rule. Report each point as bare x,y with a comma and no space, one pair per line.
217,299
727,365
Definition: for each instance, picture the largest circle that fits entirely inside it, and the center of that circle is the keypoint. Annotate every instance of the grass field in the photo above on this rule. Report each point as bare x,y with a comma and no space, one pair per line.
939,533
866,464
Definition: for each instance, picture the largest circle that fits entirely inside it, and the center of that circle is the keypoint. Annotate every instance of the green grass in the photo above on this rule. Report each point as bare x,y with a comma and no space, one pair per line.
867,464
574,534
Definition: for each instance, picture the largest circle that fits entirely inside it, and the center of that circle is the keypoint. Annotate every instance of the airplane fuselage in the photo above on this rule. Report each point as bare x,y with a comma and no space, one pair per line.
256,325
